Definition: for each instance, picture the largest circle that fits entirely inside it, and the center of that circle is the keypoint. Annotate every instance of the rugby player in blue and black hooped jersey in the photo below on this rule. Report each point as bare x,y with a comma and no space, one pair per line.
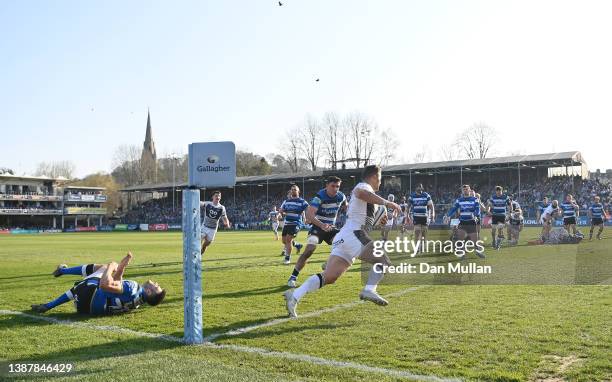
420,212
597,214
498,207
321,214
468,207
293,211
569,208
103,290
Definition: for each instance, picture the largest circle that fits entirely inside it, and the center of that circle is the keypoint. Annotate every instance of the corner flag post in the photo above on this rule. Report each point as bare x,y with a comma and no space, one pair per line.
211,164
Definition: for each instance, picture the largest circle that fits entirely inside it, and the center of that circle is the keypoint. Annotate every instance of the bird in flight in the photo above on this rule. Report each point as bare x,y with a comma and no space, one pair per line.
317,80
280,4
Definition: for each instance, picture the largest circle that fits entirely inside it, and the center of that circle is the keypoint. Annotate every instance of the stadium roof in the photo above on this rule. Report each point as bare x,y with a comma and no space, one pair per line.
569,158
85,188
562,159
28,177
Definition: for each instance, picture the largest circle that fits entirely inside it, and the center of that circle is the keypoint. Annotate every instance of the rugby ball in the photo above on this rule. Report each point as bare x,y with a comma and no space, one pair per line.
379,212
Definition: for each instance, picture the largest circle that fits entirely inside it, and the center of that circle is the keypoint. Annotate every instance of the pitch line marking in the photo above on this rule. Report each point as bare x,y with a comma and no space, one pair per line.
316,313
243,349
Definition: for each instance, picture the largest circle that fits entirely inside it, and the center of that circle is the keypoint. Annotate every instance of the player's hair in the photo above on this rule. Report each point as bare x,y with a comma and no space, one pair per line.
465,186
155,299
333,179
498,188
420,185
215,193
370,170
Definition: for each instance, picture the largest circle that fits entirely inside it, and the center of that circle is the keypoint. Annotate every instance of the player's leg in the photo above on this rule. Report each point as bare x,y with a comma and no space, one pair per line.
417,233
336,266
80,270
424,231
297,246
591,231
289,235
473,237
301,261
62,299
275,230
493,232
600,231
205,245
375,274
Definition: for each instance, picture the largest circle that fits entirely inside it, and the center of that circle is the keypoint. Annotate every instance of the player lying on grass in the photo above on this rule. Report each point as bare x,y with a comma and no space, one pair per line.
103,290
352,241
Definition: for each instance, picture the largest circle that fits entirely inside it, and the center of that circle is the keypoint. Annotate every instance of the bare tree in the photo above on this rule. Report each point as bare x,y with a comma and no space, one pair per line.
449,152
387,147
421,155
334,142
127,167
290,148
360,134
56,169
309,141
476,142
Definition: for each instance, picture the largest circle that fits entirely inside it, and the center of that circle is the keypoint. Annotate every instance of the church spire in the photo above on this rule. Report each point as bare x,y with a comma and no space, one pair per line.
149,145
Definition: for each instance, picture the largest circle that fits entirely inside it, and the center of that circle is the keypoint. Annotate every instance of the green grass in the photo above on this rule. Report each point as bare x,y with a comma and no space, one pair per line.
471,332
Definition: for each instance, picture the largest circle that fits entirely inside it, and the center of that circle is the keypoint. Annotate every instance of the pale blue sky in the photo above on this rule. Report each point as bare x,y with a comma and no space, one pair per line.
245,71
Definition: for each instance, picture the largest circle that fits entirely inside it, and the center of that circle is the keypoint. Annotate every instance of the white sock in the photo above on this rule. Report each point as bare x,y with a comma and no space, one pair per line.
310,285
373,280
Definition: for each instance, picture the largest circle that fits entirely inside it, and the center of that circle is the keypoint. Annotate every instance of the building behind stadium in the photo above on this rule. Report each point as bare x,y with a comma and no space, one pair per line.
28,202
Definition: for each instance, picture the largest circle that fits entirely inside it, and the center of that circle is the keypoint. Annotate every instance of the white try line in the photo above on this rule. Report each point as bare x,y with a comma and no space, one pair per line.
278,321
242,349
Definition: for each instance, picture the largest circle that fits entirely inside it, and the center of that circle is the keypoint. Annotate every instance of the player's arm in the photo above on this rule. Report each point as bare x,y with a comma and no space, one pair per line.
118,275
431,208
107,282
226,221
453,209
372,198
311,217
409,211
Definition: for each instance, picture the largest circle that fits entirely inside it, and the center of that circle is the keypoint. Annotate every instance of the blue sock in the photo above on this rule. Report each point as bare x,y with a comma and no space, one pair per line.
78,270
58,301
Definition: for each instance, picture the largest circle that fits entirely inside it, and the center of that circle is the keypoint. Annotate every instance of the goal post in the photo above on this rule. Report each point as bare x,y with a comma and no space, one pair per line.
211,164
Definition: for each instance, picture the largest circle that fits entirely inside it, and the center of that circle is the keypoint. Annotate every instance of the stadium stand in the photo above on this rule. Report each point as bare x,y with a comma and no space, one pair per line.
527,178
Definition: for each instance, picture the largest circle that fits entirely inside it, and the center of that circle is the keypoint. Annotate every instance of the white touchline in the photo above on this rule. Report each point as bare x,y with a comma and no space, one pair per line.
242,349
278,321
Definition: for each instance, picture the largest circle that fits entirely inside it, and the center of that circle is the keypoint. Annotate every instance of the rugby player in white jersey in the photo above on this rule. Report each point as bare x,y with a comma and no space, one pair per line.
385,229
546,218
403,219
274,218
212,212
351,242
